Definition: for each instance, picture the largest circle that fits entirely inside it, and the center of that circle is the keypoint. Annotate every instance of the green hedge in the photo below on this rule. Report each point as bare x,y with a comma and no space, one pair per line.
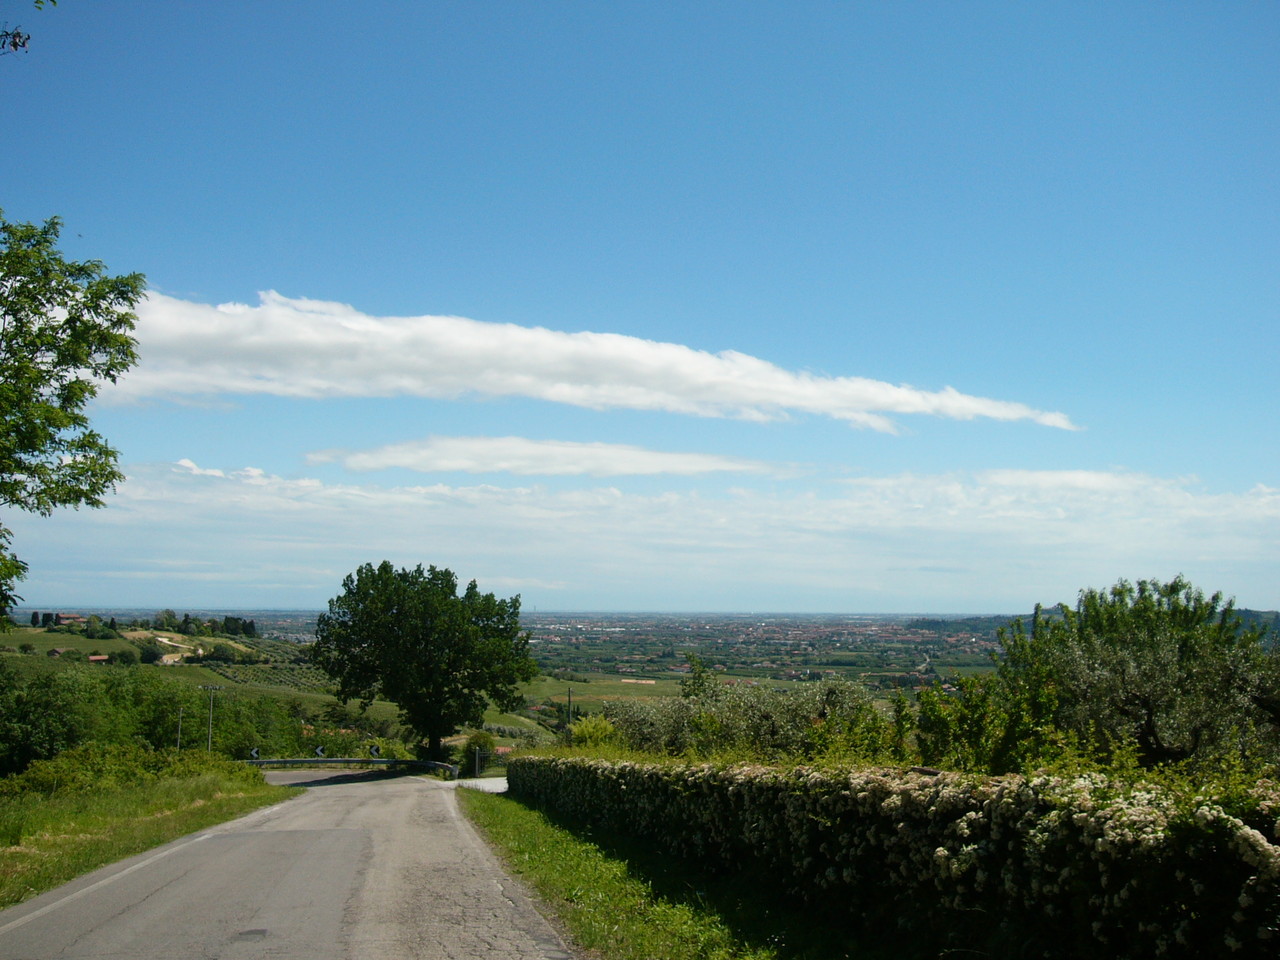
1046,866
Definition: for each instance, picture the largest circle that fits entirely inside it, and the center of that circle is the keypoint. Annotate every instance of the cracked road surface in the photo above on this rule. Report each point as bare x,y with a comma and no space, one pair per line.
360,867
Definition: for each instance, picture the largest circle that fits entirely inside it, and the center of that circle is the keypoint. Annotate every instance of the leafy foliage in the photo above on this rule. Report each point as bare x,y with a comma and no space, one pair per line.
831,719
52,712
65,328
407,636
593,730
16,40
103,766
1158,668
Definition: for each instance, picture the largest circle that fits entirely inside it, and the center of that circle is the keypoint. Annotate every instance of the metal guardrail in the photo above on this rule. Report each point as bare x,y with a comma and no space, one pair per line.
358,761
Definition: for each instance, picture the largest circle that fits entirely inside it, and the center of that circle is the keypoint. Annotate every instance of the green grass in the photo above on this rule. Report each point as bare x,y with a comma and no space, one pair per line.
625,901
46,841
599,687
496,716
43,641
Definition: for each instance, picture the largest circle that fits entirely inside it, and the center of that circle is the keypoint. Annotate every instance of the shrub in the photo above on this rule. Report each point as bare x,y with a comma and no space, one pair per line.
593,730
1056,866
1156,669
834,719
100,767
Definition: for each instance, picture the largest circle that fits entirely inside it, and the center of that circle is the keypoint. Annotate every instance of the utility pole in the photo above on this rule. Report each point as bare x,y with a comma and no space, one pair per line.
211,687
180,728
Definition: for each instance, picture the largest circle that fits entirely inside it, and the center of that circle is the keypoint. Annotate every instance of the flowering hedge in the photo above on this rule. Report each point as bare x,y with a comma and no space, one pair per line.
1084,866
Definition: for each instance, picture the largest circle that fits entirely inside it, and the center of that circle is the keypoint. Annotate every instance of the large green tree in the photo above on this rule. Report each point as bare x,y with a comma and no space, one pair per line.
408,636
65,328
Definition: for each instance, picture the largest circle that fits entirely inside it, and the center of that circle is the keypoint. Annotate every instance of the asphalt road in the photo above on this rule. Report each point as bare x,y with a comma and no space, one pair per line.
360,867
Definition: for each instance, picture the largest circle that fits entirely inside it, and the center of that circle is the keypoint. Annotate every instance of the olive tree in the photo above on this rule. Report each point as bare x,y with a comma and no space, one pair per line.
408,636
1156,668
1157,665
65,328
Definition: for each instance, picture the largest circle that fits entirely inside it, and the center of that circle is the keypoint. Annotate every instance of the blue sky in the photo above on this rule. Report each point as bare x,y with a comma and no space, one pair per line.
873,307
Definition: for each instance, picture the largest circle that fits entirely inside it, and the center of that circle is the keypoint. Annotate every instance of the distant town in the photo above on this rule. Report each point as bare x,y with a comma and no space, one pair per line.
885,651
882,650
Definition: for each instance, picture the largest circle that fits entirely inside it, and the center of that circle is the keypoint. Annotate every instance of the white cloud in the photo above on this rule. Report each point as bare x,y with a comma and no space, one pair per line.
997,541
308,348
525,457
190,465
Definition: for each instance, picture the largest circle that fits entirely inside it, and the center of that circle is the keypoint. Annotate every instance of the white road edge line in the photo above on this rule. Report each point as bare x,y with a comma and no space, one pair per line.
69,898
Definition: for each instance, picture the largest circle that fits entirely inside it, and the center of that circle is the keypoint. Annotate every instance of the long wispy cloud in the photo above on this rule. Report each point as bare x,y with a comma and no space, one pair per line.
308,348
525,457
996,540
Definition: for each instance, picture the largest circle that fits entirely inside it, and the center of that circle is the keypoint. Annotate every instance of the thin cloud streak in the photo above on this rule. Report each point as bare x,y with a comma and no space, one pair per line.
1063,506
524,457
308,348
997,541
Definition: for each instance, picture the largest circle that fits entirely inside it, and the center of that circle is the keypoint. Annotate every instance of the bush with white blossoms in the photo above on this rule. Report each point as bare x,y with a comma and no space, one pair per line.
1063,866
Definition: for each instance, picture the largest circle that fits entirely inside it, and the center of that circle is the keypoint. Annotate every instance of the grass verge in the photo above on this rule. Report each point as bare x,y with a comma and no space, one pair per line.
623,901
46,841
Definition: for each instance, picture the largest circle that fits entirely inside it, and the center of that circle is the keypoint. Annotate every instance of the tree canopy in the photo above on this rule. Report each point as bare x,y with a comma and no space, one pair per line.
11,41
1156,668
407,636
65,328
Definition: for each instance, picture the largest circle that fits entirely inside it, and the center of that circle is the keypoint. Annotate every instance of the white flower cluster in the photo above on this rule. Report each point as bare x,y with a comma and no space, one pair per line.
1089,865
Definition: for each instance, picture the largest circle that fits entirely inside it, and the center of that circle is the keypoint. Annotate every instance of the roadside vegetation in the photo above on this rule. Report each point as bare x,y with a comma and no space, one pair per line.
91,770
626,899
117,737
94,805
1108,788
67,683
57,708
1145,714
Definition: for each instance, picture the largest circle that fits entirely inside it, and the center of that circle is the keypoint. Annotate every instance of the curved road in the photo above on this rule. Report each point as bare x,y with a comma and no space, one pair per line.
360,867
